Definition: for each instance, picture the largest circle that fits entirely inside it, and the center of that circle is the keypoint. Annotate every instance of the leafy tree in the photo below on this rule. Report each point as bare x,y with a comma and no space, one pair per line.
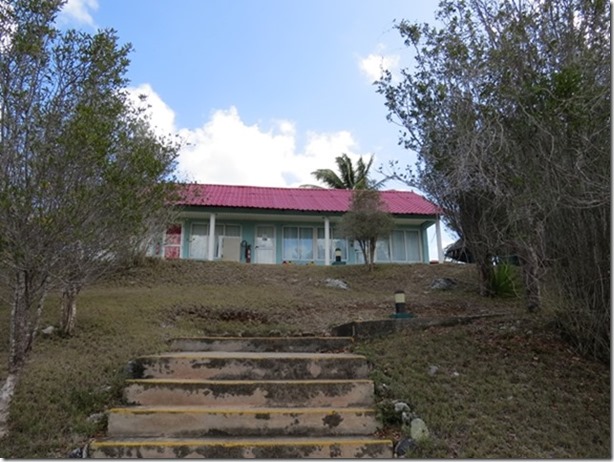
349,176
80,171
508,108
366,221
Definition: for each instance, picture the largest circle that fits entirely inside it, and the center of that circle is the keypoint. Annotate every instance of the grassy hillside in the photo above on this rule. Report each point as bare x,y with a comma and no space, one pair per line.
503,386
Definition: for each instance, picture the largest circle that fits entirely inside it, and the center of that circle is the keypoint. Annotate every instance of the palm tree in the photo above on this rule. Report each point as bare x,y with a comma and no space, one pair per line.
348,177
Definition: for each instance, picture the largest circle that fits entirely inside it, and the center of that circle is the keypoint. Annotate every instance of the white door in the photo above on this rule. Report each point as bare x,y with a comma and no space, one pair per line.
199,241
264,251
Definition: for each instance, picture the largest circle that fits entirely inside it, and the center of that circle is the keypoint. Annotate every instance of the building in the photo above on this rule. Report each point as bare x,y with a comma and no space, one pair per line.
290,225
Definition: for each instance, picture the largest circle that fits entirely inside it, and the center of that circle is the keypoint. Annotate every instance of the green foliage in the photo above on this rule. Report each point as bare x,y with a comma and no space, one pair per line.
82,174
366,221
505,280
349,176
508,106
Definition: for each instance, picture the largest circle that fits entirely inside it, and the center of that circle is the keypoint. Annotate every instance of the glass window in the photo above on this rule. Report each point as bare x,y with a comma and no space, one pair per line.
398,246
232,231
306,244
412,239
290,244
382,252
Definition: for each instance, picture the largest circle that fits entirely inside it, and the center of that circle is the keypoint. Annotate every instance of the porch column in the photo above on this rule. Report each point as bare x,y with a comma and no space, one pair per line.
438,235
210,244
326,241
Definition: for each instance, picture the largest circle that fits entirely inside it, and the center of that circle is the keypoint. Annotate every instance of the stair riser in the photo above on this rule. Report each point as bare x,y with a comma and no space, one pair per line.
201,424
273,451
253,369
272,344
254,394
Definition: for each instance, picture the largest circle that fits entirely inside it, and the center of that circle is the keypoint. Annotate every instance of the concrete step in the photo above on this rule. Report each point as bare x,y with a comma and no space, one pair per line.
251,393
240,448
221,365
196,421
262,344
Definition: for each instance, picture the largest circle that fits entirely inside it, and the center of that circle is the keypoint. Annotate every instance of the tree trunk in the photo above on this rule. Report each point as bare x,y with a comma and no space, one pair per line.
69,309
6,395
372,244
24,321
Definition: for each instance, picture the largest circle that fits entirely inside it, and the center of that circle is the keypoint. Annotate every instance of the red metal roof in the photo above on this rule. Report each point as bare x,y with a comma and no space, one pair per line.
297,199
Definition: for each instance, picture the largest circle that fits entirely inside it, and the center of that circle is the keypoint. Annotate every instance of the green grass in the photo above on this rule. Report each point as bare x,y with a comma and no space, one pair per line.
520,392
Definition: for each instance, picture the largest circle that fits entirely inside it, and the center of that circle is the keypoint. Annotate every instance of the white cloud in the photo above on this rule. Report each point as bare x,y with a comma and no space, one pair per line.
374,65
226,150
161,116
79,11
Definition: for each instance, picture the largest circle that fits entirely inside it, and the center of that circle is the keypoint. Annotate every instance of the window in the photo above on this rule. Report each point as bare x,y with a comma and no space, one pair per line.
221,231
199,242
405,246
401,246
297,243
382,250
307,243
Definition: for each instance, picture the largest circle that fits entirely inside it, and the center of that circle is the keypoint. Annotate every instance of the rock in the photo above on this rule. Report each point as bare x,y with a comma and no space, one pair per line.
455,374
419,430
49,330
401,407
95,418
443,284
336,283
383,389
433,370
77,453
403,446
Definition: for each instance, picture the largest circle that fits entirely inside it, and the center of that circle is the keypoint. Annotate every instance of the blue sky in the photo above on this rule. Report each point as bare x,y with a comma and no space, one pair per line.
263,92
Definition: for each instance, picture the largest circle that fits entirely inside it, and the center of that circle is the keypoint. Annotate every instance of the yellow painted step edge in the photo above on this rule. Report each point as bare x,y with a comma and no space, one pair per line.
245,382
242,355
309,442
266,338
209,410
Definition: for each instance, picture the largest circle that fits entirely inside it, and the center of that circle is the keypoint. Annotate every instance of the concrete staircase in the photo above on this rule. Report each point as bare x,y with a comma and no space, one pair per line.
263,397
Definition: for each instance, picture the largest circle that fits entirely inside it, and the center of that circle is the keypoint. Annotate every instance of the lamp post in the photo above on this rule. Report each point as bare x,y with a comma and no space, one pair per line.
400,307
338,257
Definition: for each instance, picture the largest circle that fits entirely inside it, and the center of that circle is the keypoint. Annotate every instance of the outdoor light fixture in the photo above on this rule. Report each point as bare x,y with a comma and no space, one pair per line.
399,302
400,307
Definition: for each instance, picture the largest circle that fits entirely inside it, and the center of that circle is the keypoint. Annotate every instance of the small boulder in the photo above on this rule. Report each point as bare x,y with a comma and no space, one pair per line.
443,284
97,417
419,430
433,370
401,407
77,453
336,284
49,330
403,446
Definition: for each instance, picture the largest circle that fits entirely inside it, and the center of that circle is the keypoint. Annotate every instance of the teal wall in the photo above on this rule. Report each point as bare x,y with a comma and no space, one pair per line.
248,232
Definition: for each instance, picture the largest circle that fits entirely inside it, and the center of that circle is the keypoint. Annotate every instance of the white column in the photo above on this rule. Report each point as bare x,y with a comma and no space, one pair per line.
210,244
326,241
438,235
